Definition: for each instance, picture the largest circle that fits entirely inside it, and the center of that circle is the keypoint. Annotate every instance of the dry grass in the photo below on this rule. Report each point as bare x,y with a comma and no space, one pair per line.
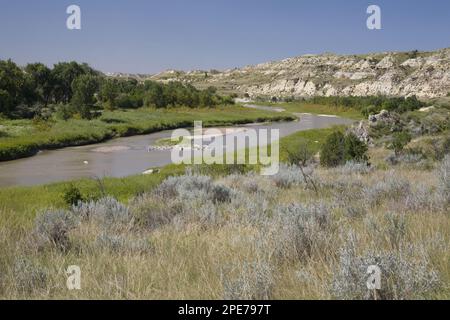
260,241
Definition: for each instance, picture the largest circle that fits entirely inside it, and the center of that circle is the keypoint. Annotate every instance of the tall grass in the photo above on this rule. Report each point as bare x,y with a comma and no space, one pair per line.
238,236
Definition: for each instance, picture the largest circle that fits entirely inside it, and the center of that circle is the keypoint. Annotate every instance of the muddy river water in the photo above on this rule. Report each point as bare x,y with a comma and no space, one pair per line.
121,157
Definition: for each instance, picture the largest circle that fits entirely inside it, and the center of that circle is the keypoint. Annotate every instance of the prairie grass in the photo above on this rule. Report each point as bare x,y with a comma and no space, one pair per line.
239,236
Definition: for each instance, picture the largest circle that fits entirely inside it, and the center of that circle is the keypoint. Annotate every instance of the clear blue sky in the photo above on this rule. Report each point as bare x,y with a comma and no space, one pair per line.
148,36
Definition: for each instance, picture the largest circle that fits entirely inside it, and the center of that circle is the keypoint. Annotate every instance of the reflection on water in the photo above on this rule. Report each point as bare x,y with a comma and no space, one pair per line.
120,157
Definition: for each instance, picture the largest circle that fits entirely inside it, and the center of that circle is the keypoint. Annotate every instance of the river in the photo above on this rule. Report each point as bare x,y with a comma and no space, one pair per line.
123,156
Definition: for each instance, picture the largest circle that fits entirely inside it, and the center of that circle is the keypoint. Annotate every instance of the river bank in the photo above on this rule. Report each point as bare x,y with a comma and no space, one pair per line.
25,138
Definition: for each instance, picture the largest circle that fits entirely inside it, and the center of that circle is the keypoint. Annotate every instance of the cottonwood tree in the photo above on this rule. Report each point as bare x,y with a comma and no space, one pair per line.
84,88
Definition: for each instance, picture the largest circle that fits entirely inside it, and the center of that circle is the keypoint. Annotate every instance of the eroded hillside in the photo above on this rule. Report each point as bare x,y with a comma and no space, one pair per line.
425,74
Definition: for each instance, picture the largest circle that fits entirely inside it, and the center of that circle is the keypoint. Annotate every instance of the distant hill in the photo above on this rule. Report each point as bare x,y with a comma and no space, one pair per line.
425,74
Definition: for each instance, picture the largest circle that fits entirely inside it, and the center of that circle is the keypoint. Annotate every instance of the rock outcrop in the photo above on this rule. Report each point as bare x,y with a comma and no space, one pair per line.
424,74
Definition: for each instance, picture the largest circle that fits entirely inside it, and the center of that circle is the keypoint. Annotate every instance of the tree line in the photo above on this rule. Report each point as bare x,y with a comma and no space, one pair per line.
71,88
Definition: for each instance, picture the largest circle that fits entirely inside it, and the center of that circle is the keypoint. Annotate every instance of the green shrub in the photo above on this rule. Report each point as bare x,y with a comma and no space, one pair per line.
333,150
339,148
399,141
72,195
355,149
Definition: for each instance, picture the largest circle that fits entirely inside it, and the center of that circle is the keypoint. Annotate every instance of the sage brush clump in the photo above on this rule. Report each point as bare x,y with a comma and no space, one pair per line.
299,229
254,282
403,276
288,176
107,211
53,227
390,187
29,276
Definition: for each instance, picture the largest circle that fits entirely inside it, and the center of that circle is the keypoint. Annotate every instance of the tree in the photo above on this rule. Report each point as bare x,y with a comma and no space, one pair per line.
155,96
339,148
355,149
41,81
64,74
333,150
84,88
11,84
109,92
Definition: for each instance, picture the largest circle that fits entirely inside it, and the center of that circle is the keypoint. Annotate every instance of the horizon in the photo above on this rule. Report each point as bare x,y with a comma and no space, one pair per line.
106,72
153,37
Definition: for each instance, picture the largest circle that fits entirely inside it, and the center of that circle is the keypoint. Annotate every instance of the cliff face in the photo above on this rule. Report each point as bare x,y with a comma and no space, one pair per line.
425,74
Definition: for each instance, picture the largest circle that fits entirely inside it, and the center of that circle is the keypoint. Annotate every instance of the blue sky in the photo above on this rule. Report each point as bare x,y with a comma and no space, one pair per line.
148,36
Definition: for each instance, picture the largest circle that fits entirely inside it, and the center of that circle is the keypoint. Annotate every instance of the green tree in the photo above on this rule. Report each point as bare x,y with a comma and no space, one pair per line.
12,80
64,74
355,149
339,148
109,93
41,82
155,96
332,152
84,88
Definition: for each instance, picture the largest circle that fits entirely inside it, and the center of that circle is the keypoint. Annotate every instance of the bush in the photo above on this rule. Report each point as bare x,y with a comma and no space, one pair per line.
52,227
389,188
399,141
300,229
355,149
72,196
255,282
150,211
221,193
107,211
29,276
402,275
64,112
396,228
339,148
332,153
288,176
185,187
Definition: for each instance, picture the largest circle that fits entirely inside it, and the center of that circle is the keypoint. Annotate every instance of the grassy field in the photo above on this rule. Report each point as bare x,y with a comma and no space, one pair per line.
21,138
306,107
241,237
238,236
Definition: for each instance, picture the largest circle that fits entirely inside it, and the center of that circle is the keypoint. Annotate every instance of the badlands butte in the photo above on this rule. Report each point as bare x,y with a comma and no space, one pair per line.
424,74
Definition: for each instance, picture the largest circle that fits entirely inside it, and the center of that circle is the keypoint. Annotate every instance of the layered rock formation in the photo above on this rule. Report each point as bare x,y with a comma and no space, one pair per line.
425,74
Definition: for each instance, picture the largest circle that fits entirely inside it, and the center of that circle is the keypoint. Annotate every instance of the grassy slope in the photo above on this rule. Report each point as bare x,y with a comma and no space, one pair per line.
23,138
186,262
